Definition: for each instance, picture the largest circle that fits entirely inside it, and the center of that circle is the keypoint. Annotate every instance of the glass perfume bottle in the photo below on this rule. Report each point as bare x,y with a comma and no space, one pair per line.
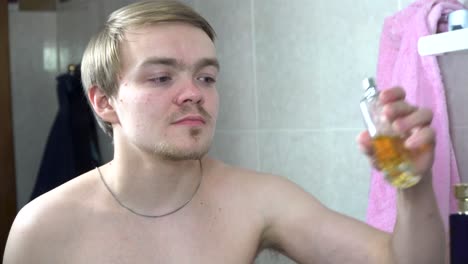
459,227
389,152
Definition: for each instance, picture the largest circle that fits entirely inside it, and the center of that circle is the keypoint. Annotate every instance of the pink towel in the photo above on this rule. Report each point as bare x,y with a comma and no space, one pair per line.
400,64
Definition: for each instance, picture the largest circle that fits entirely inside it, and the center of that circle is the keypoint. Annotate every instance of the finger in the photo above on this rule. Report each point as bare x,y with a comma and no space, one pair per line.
365,143
392,94
422,139
420,118
397,109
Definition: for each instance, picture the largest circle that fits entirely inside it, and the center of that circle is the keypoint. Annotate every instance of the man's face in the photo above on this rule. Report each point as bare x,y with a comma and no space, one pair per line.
167,102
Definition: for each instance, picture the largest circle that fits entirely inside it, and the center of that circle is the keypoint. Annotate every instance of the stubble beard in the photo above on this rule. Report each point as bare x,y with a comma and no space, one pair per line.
169,151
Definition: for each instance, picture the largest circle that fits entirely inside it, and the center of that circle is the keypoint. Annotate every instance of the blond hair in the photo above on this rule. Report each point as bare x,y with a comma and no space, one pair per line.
100,65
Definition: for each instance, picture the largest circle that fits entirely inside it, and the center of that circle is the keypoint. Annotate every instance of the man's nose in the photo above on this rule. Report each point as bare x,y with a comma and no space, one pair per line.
190,92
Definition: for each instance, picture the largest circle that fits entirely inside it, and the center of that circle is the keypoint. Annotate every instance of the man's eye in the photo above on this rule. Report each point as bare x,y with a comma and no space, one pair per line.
161,79
207,79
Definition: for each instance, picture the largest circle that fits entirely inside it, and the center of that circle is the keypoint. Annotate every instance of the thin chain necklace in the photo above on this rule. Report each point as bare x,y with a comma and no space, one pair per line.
146,215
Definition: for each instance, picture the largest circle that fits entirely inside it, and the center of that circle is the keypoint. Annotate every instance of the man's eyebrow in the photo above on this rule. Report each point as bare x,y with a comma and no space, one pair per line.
177,64
207,62
159,61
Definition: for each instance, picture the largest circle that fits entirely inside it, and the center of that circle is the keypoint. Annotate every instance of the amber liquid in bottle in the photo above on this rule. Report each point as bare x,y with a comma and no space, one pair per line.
393,160
390,155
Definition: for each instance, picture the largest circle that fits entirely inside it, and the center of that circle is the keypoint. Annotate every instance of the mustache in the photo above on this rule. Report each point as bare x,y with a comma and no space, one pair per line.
191,109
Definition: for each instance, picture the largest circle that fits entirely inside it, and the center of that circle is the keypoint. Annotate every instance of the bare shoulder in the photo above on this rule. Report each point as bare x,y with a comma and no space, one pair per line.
260,183
274,195
240,175
48,218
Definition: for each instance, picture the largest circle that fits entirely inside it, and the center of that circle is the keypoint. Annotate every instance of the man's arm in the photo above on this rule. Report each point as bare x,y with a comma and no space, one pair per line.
301,228
298,226
306,231
418,236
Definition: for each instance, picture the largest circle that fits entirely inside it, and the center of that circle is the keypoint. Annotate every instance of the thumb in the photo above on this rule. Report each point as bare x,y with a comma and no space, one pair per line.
364,142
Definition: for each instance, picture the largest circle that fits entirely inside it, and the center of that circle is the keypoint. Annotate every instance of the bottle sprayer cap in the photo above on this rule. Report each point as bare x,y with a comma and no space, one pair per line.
461,191
368,83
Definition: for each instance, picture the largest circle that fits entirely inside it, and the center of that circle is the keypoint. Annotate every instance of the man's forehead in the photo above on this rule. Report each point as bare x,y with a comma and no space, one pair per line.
178,63
146,46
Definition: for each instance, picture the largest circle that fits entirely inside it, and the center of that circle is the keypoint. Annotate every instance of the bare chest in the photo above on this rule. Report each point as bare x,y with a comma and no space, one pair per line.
214,238
222,224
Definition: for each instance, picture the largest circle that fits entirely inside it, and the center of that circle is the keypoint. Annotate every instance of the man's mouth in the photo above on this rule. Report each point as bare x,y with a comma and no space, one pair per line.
190,120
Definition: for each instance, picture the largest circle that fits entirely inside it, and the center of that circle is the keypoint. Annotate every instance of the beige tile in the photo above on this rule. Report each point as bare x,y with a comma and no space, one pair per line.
236,148
236,84
33,62
311,58
109,6
326,164
404,3
76,23
287,69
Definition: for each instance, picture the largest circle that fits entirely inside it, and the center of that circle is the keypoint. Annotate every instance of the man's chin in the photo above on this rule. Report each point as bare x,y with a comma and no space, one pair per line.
179,156
178,153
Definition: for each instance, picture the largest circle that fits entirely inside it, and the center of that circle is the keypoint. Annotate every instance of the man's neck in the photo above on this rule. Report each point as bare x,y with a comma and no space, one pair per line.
152,186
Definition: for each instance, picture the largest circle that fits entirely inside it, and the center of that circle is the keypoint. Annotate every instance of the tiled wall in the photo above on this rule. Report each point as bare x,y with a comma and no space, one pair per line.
289,88
33,56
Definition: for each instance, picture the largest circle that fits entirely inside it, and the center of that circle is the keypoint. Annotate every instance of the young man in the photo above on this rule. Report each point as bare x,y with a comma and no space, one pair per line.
150,77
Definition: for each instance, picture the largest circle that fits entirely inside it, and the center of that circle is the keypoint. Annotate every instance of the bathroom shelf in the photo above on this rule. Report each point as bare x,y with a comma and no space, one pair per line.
441,43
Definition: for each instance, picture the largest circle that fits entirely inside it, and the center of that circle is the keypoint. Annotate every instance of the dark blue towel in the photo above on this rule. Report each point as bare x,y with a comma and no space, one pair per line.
72,146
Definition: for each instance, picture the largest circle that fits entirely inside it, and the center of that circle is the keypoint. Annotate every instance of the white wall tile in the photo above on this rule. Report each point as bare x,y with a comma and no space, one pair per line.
402,4
76,23
236,148
109,6
33,60
312,56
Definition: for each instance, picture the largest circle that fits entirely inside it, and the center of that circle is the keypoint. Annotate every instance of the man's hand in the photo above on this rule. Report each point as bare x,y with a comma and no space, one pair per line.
412,123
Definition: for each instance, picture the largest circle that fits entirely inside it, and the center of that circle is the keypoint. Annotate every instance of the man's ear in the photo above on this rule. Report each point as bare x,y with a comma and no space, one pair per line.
102,105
